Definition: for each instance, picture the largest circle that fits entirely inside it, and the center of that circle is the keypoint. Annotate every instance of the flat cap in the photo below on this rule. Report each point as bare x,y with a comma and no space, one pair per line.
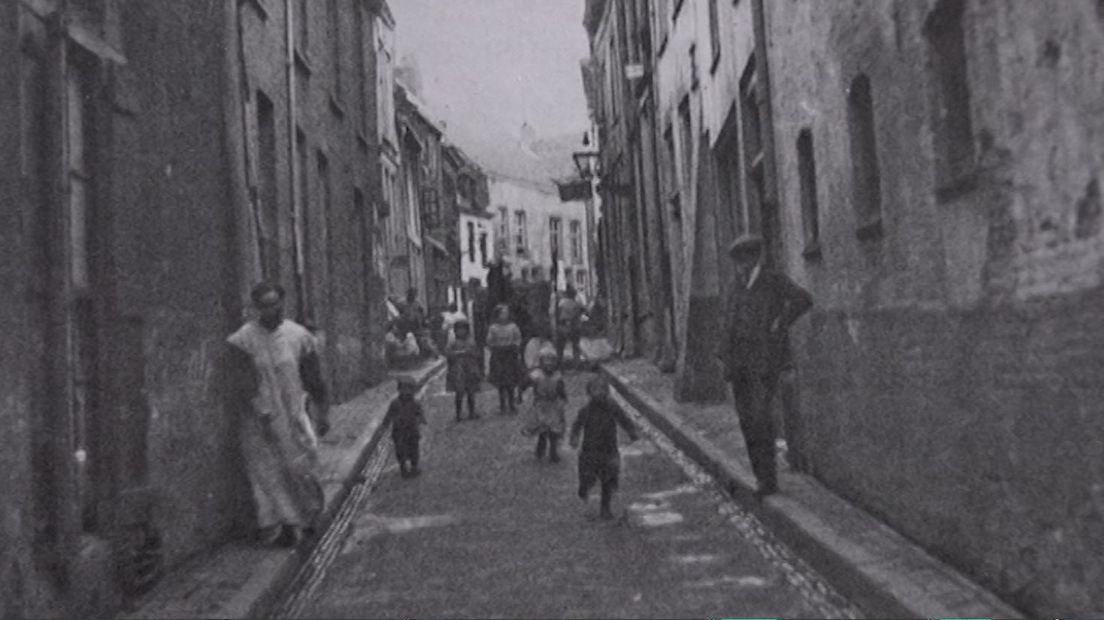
747,243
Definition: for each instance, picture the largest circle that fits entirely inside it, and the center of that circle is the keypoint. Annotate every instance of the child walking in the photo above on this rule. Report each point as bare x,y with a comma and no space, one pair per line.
465,368
546,412
506,369
600,460
406,417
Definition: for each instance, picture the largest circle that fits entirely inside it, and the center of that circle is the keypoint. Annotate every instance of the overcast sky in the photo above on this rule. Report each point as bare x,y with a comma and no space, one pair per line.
494,64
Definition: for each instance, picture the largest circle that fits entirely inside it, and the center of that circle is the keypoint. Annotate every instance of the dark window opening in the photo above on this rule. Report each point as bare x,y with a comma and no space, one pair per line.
865,176
267,189
810,210
714,34
949,93
471,242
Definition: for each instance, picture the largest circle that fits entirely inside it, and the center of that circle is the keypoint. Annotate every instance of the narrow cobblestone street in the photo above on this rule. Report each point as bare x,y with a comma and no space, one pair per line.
488,530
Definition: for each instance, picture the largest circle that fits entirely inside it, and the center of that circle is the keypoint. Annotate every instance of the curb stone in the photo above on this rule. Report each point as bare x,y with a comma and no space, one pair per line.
884,574
240,580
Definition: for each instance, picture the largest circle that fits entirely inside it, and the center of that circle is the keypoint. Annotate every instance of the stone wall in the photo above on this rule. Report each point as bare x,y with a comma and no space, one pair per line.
950,369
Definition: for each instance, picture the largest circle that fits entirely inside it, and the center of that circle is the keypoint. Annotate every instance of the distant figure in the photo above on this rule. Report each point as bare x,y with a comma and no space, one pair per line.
762,307
274,368
451,316
402,351
507,370
411,313
569,318
448,319
465,369
406,418
600,459
546,413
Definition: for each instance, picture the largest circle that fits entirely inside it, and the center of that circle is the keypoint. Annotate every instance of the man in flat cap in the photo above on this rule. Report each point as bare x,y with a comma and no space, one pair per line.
762,306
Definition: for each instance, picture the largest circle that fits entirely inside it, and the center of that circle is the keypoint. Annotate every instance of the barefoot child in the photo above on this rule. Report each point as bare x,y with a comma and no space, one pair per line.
465,368
600,460
405,416
546,412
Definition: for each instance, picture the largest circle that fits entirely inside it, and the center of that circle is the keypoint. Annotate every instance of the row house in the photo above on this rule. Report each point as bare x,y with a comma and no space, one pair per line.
931,172
419,198
537,232
677,94
158,160
472,234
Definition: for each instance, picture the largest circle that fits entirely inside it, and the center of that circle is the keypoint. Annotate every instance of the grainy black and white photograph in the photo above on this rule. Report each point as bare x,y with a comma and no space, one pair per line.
704,309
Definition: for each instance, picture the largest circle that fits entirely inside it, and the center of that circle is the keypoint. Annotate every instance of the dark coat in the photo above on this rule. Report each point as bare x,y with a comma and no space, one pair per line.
750,343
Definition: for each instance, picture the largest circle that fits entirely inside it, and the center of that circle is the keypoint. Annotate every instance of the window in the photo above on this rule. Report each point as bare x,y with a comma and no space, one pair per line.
686,145
327,224
671,177
431,207
754,183
576,232
361,37
335,51
622,31
714,34
471,241
580,280
521,237
810,211
663,22
865,177
613,84
302,32
483,247
694,80
303,200
555,234
82,343
726,156
269,221
949,93
385,192
503,223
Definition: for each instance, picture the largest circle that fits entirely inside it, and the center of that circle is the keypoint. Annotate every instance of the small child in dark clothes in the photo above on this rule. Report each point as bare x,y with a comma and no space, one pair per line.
599,459
406,417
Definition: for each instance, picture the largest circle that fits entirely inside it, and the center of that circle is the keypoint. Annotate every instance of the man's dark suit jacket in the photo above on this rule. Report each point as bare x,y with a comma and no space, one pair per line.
750,344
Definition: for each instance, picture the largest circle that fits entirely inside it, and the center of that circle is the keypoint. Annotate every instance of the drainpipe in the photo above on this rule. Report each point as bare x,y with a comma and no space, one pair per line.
293,161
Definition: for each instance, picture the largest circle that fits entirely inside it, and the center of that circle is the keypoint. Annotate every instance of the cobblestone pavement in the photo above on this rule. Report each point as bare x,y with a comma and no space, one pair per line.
488,531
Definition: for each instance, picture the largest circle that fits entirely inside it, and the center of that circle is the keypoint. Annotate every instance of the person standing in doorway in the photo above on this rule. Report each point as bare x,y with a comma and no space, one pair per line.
761,308
274,369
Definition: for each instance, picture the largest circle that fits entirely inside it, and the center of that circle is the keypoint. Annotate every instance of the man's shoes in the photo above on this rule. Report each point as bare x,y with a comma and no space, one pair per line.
291,536
270,536
605,513
765,490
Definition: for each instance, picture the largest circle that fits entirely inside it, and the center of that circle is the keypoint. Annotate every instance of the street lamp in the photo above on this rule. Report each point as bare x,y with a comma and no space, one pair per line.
586,162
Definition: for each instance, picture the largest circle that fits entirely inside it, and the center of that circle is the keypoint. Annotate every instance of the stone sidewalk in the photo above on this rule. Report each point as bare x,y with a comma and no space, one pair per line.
239,579
874,566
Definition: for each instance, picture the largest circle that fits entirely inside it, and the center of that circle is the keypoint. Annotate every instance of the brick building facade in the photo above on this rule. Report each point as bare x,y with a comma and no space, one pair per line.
162,157
931,172
940,167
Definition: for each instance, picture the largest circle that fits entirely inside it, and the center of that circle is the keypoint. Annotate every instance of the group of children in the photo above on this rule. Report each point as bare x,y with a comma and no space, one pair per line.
596,423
